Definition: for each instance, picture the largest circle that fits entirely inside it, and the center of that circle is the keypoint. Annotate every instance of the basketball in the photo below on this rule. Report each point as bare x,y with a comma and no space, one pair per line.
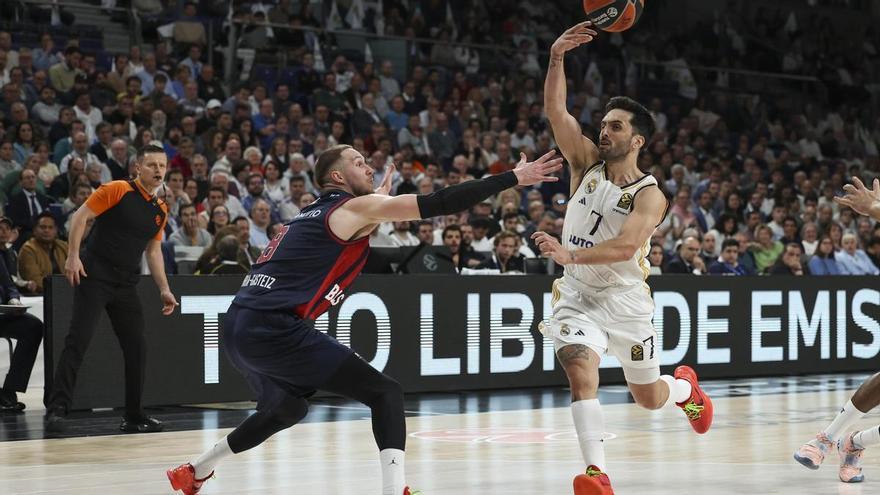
614,16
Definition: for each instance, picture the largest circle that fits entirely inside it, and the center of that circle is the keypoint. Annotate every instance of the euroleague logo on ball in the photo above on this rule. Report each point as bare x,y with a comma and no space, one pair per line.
613,15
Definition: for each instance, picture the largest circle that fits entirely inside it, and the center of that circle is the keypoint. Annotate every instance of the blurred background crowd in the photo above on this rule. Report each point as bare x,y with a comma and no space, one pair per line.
763,112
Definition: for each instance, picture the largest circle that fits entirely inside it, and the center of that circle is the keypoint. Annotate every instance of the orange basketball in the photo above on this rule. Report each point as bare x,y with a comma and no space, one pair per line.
614,15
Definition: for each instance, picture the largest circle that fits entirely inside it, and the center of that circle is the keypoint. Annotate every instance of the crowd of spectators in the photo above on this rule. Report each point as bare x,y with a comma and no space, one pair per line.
750,180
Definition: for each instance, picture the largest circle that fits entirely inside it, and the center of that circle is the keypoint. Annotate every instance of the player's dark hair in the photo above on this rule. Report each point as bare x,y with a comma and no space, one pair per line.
642,122
149,148
327,162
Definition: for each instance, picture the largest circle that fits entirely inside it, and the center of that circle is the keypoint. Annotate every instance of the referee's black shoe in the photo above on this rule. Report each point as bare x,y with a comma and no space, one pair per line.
142,424
54,420
9,402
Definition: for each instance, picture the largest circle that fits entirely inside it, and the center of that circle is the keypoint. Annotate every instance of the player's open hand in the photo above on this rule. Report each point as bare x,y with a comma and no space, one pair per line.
169,302
572,38
540,170
73,270
385,186
551,248
860,198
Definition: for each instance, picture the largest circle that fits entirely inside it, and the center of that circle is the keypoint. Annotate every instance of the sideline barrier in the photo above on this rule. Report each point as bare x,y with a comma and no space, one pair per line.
448,333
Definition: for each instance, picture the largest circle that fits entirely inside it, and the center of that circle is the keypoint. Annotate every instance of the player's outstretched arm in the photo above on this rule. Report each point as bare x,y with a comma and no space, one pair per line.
371,209
861,199
579,150
647,213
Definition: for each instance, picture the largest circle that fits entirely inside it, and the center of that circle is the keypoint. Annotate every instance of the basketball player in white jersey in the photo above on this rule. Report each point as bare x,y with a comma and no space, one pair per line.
602,303
850,446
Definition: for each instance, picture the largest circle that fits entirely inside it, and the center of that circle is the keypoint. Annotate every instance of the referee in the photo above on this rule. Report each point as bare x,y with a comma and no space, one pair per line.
128,220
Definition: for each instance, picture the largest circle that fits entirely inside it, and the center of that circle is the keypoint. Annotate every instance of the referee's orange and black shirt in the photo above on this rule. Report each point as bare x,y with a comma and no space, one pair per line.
128,217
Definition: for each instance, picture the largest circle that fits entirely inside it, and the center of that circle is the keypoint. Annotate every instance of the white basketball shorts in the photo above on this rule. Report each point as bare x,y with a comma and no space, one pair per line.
616,321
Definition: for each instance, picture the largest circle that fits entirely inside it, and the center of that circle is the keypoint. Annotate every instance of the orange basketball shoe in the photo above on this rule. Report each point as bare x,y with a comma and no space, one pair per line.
183,478
698,408
593,482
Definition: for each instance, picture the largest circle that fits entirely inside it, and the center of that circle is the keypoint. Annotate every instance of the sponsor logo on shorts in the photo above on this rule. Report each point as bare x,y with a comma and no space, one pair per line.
637,353
564,330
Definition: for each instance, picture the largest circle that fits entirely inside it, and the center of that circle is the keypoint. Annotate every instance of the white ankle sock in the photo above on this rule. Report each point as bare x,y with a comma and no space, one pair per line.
393,475
844,420
204,465
867,438
589,422
679,390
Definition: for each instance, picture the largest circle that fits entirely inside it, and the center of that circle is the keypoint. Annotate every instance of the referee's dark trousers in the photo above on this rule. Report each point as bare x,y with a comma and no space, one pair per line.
91,298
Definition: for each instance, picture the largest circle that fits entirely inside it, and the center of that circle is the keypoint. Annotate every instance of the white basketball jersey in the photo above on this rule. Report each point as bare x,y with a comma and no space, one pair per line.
596,213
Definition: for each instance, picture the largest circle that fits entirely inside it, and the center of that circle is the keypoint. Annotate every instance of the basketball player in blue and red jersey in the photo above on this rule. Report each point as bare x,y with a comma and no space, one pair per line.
268,332
602,304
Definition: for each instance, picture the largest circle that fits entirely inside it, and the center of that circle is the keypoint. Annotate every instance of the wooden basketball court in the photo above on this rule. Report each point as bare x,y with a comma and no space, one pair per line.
528,448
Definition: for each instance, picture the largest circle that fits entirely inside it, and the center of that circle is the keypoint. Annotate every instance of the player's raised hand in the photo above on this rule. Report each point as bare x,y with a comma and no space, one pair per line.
861,199
540,170
385,186
551,248
572,38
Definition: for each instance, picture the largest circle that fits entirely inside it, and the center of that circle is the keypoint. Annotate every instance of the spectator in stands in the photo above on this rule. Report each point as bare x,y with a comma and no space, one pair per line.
709,248
61,185
7,159
45,56
89,115
504,163
389,84
46,111
425,232
44,254
657,258
461,258
80,149
218,217
251,252
27,330
789,262
261,218
687,261
24,207
728,264
401,235
765,249
481,241
823,261
227,253
854,261
189,233
209,258
809,238
505,257
63,74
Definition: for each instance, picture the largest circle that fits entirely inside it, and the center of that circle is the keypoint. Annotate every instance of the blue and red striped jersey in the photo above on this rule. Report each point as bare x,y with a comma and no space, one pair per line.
305,269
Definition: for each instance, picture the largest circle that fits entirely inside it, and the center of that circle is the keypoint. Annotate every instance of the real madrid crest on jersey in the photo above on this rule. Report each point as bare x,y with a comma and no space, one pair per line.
591,186
624,204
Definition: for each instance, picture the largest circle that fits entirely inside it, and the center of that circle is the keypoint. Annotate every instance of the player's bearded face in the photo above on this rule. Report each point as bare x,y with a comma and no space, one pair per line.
613,148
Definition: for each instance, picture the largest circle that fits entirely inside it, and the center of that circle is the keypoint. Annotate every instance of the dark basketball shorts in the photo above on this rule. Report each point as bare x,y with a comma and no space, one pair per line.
280,354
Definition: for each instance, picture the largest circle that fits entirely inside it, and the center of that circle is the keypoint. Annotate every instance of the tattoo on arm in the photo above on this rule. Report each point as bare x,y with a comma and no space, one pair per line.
572,352
554,61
